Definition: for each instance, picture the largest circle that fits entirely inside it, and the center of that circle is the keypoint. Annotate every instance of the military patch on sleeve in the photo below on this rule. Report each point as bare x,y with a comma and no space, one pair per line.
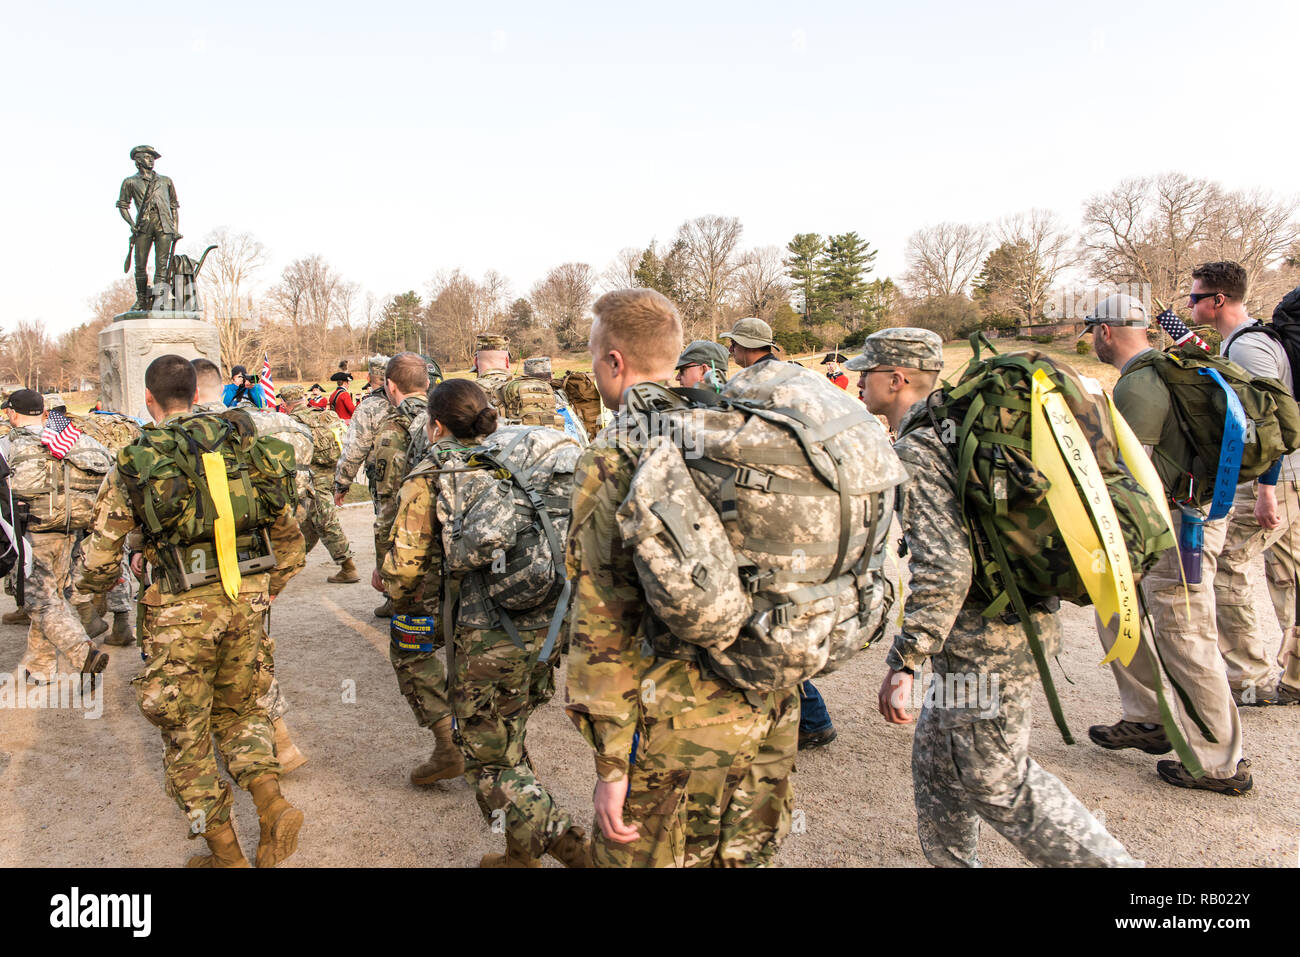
381,469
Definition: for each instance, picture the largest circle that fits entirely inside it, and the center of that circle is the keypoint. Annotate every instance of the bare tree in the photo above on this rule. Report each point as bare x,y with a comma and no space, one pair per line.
621,273
942,259
1257,230
307,301
1044,251
459,309
25,349
113,300
761,283
562,302
227,284
708,243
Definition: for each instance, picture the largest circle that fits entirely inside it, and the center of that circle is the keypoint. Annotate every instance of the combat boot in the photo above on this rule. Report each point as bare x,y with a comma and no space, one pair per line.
286,752
279,819
122,634
515,856
224,847
18,616
572,849
96,661
346,575
90,620
385,610
446,760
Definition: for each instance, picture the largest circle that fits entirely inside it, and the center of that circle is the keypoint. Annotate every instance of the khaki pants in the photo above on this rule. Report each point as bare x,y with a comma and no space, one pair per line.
1189,650
1240,639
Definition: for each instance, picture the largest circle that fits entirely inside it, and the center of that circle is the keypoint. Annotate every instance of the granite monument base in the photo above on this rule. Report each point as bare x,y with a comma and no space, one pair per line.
137,338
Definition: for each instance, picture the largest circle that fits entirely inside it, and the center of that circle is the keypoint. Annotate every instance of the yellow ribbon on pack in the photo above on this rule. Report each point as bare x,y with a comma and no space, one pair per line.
1087,521
223,529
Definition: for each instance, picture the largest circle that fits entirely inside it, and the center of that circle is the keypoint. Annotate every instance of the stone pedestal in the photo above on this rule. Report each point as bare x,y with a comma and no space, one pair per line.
137,338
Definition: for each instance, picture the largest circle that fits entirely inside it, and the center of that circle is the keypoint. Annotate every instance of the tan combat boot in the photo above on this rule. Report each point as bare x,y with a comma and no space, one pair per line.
446,760
121,634
385,610
224,847
286,751
347,573
16,617
572,849
90,620
515,856
279,819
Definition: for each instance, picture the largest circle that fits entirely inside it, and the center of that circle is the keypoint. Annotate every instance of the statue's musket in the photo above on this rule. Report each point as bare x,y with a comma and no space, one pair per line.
135,230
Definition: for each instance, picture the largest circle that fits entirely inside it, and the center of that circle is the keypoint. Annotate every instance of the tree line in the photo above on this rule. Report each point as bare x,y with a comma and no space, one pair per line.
818,292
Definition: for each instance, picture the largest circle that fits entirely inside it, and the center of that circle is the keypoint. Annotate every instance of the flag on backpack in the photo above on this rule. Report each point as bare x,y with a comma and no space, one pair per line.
265,384
59,434
1178,331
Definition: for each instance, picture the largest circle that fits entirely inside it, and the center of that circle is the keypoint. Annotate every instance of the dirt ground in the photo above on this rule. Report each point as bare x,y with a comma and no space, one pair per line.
78,792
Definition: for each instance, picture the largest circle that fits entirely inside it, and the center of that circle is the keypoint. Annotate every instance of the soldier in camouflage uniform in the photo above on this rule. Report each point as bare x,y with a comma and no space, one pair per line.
708,781
322,521
54,628
492,364
970,759
201,678
497,684
358,443
421,677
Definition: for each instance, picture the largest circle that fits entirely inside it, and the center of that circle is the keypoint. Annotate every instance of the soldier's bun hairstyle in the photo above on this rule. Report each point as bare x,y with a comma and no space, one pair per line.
172,381
408,372
463,407
643,325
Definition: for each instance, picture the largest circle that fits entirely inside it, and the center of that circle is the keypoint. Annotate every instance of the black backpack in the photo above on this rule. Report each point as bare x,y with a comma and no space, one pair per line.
1284,329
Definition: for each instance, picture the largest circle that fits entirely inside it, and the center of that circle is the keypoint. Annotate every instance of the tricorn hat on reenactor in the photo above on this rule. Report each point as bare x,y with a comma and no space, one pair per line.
834,357
145,149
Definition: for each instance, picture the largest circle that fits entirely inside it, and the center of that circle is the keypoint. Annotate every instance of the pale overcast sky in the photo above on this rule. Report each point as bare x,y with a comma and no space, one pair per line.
398,139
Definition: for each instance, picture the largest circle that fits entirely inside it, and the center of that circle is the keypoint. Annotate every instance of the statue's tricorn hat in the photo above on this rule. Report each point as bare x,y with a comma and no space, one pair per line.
145,149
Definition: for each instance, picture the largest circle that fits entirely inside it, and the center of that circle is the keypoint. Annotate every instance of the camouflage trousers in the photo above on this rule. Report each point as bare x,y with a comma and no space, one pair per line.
269,696
963,772
1240,640
422,679
322,520
119,597
55,629
710,789
498,686
201,679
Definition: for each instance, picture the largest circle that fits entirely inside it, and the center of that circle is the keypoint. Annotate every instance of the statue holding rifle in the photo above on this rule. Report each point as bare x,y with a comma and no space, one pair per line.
154,224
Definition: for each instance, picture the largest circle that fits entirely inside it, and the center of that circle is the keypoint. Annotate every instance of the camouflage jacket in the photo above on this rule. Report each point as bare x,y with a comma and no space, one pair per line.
939,623
392,444
615,684
360,438
115,519
491,383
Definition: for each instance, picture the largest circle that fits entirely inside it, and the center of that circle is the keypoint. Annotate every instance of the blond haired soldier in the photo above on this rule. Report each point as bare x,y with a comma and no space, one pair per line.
709,783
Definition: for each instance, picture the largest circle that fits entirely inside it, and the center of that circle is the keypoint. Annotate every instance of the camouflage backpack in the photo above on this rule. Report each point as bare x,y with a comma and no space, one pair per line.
162,473
1200,409
505,517
580,387
757,518
60,493
326,435
1019,554
528,401
112,430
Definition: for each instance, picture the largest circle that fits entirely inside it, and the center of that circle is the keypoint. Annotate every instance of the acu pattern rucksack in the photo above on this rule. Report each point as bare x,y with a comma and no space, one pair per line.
757,518
59,493
112,430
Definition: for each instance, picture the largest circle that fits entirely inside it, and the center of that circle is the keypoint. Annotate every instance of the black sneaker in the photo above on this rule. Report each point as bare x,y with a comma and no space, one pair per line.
1255,697
816,739
1129,734
1173,772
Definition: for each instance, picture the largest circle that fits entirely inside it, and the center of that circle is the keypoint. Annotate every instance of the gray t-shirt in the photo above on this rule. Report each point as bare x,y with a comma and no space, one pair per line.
1260,355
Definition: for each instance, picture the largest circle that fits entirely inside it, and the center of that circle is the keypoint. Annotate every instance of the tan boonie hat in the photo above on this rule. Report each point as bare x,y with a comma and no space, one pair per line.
906,346
538,366
292,393
752,333
491,340
1116,310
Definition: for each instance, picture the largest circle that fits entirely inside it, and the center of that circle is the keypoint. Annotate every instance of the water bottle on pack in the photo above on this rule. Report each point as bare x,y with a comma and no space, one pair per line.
1191,538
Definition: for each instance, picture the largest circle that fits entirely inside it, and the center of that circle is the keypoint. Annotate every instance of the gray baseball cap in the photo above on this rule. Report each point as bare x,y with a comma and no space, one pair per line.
752,333
704,352
1117,310
906,346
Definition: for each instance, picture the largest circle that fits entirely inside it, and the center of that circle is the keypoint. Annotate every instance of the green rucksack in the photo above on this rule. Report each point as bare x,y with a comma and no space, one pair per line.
1200,408
162,473
1019,554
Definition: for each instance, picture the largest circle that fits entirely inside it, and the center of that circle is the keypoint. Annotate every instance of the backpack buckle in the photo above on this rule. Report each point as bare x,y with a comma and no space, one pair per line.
781,614
699,576
752,478
752,578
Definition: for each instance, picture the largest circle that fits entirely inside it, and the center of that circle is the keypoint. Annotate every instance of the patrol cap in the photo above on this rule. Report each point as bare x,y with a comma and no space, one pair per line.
906,346
834,357
25,402
377,366
292,393
1119,309
55,401
538,366
491,340
752,333
704,352
145,149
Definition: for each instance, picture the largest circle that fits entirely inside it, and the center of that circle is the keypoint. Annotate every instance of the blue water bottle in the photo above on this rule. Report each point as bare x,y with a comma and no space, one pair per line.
1191,536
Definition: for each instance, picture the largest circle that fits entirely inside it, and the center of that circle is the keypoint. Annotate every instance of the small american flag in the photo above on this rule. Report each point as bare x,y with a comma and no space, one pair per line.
59,435
1178,330
268,389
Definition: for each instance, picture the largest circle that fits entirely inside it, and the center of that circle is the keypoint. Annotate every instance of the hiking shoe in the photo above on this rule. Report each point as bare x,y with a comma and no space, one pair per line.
1287,695
1150,738
385,610
16,617
816,739
1254,697
1173,772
